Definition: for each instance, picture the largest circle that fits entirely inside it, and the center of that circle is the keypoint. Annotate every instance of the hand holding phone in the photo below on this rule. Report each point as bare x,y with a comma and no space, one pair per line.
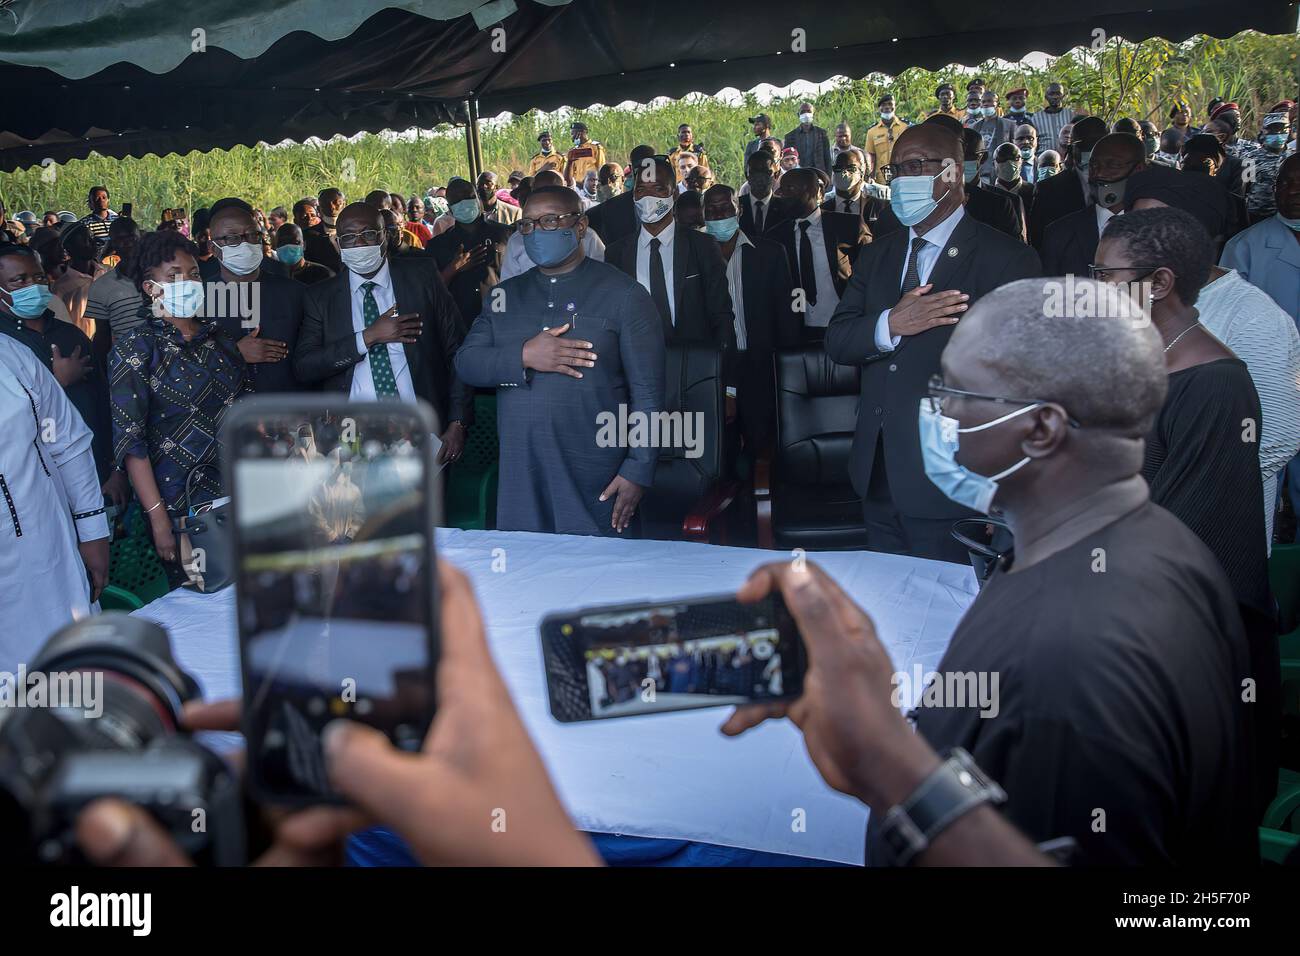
335,585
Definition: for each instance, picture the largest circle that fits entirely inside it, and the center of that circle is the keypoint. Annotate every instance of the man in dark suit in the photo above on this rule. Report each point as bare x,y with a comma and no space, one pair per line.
1061,195
469,254
319,242
907,291
758,279
616,217
1070,243
385,328
993,207
820,248
680,268
760,207
261,310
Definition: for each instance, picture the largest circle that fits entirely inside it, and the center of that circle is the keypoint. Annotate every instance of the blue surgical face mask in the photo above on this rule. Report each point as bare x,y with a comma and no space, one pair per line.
181,299
550,248
628,183
1275,140
1046,172
30,301
912,198
939,443
722,229
990,111
970,169
289,254
1026,153
466,211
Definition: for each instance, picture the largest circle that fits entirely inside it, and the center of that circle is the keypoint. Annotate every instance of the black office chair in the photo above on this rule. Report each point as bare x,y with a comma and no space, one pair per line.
690,493
803,495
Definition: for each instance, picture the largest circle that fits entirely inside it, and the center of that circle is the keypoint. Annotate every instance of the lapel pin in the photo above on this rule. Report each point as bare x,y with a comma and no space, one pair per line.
952,251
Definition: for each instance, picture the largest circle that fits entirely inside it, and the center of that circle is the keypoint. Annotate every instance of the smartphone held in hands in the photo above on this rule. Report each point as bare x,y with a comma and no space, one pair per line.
335,507
633,659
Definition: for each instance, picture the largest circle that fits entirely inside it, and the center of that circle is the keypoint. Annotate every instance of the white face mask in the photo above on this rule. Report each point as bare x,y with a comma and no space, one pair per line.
653,208
241,259
363,260
805,118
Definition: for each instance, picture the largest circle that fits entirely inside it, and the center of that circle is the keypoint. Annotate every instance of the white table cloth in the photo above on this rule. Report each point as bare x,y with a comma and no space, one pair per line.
670,775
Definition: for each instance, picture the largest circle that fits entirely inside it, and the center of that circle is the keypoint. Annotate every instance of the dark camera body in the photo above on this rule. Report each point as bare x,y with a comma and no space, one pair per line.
56,760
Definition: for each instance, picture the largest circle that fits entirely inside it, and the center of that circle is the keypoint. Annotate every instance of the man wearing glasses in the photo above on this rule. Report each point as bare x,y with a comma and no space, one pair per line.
577,341
385,329
251,298
908,289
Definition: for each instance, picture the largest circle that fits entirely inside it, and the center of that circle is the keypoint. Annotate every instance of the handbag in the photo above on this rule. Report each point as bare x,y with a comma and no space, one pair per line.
204,539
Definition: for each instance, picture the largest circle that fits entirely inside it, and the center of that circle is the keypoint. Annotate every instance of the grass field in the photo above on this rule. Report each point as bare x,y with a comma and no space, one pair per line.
1119,79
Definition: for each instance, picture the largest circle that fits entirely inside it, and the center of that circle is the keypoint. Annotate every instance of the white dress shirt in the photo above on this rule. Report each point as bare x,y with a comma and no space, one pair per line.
936,239
516,262
363,383
666,254
819,315
1104,216
736,286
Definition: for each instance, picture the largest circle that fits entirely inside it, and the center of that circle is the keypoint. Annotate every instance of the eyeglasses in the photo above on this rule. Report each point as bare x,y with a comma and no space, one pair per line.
1098,270
369,237
548,223
913,167
938,391
234,239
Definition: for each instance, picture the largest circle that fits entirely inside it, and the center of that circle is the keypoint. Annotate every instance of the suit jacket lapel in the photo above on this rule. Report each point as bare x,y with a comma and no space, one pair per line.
407,300
832,252
954,255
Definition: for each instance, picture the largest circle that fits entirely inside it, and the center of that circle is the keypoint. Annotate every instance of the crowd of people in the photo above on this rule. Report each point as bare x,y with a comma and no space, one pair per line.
934,256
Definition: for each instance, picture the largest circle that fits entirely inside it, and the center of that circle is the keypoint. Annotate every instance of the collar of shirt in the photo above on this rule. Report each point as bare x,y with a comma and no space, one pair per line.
206,330
1104,216
940,234
815,218
665,238
382,278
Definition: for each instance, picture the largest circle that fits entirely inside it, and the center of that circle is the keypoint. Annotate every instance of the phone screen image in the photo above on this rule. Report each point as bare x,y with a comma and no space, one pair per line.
335,584
627,661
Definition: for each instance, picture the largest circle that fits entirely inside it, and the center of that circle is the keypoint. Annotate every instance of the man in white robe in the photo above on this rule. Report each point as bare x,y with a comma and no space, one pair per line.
53,531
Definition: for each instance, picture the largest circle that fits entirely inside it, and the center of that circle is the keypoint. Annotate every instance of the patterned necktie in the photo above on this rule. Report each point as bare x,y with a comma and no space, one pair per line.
659,288
758,216
381,369
807,275
913,277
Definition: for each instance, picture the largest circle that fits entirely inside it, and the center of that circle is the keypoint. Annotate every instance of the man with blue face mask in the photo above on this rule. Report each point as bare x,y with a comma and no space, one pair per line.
907,291
994,129
575,339
469,253
758,279
1264,164
1099,575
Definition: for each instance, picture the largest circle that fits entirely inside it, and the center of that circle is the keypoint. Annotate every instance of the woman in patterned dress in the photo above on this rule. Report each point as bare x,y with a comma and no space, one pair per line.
171,382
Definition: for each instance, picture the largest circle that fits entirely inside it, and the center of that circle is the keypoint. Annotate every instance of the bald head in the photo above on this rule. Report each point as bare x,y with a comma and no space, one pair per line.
1011,341
358,217
547,177
931,139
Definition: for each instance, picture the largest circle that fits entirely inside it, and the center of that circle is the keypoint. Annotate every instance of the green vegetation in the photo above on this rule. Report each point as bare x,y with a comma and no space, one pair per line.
1119,79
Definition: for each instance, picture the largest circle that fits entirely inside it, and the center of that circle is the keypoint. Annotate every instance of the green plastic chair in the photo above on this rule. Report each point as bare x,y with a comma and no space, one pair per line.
115,598
1275,846
133,564
472,481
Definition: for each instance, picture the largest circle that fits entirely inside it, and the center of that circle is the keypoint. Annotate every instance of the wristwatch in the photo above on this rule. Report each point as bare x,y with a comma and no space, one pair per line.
956,787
